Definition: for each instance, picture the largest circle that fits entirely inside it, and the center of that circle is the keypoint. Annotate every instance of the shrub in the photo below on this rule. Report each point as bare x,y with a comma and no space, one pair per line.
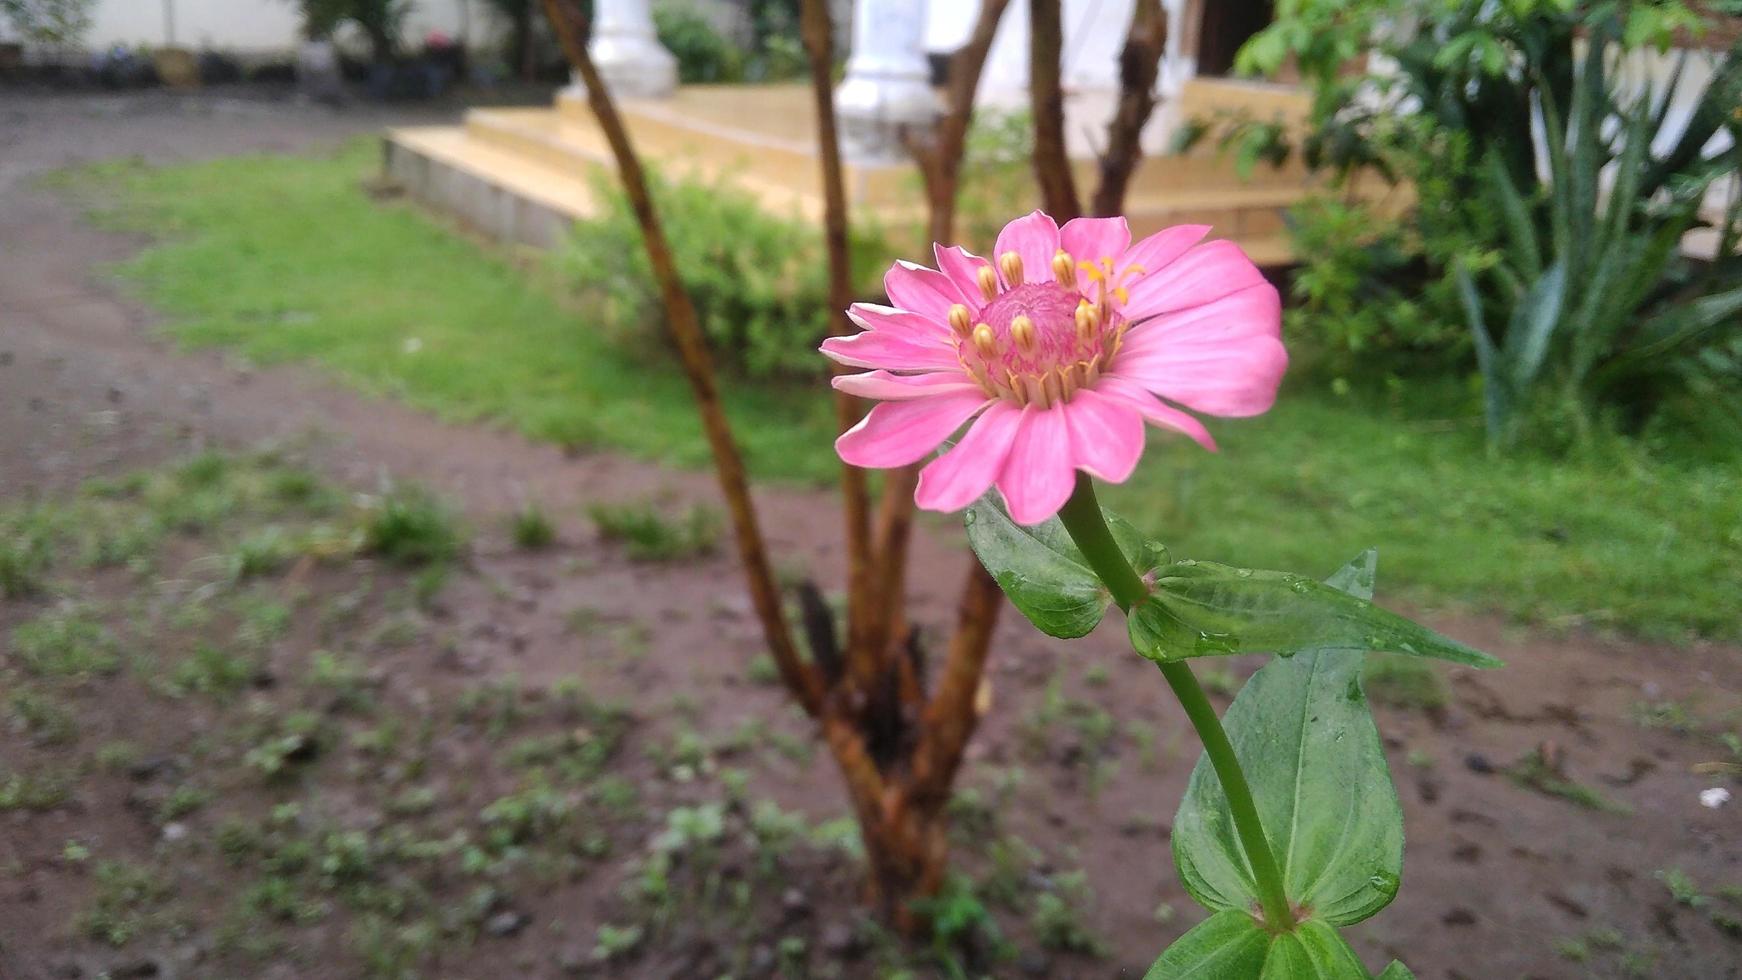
759,282
1574,298
703,53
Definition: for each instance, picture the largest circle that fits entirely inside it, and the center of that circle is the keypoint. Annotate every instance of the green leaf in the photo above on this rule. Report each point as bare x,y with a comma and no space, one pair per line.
1396,971
1042,571
1230,945
1311,751
1533,326
1205,609
1312,952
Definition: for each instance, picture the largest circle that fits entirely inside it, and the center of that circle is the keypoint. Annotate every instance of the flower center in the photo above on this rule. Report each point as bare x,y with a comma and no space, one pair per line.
1037,342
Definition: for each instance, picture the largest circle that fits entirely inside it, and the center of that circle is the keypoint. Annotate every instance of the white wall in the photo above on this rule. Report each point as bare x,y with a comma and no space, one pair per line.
259,25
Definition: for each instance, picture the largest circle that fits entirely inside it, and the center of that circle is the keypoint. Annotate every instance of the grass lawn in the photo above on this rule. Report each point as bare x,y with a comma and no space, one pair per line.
285,259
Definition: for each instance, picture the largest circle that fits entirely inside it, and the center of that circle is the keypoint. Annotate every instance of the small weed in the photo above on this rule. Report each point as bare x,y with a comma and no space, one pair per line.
346,678
763,670
296,738
1671,716
65,644
183,800
1058,916
261,553
212,672
117,756
24,563
1097,675
1534,772
408,526
124,904
35,791
649,535
262,621
531,529
614,942
536,811
46,720
1403,682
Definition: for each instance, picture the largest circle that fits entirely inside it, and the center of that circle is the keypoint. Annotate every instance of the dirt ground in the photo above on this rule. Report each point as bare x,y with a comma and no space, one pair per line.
1608,865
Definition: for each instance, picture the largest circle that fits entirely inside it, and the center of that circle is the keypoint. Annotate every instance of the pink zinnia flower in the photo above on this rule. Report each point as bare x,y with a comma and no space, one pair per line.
1058,353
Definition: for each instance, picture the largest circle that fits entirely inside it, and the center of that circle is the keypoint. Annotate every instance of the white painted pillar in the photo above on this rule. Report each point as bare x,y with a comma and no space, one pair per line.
627,52
888,81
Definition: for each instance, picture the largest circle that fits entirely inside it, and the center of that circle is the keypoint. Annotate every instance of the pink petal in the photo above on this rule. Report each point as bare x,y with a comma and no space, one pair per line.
1202,275
1106,436
911,327
1158,250
1224,358
958,478
1038,477
963,268
877,349
883,386
918,289
1093,239
1035,237
899,433
1151,408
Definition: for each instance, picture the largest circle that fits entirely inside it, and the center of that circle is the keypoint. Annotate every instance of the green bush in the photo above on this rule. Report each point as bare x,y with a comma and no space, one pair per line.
703,53
1569,290
759,282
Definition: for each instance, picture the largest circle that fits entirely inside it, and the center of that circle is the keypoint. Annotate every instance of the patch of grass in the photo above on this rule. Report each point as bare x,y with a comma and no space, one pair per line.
34,790
531,528
1404,682
45,719
127,901
65,643
283,258
211,671
24,562
1061,914
408,526
261,553
648,534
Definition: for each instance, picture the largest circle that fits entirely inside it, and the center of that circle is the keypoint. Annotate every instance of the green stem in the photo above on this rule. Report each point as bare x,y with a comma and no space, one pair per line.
1081,516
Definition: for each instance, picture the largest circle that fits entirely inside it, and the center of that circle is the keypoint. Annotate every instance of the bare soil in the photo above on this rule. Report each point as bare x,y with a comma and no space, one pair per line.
1503,878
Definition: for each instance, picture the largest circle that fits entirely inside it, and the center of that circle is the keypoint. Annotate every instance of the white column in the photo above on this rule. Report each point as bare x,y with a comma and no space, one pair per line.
888,82
627,52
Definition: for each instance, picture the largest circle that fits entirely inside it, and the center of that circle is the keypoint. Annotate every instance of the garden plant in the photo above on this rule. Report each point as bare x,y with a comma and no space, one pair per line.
1555,177
1054,353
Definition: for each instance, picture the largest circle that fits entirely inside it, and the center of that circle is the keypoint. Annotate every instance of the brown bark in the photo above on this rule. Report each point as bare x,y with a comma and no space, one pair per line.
818,35
571,29
1052,167
1139,64
940,165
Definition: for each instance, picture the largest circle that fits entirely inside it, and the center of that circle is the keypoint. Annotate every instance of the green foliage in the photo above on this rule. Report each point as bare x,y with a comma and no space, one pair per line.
1310,750
1364,299
996,171
1043,573
50,22
703,54
24,560
125,902
759,281
649,535
531,528
1206,609
283,259
1572,291
408,526
67,643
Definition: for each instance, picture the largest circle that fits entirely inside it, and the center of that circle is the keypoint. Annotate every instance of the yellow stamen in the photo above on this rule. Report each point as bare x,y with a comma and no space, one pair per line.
959,320
1017,388
1067,380
1063,269
1088,321
988,282
985,341
1011,265
1022,331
